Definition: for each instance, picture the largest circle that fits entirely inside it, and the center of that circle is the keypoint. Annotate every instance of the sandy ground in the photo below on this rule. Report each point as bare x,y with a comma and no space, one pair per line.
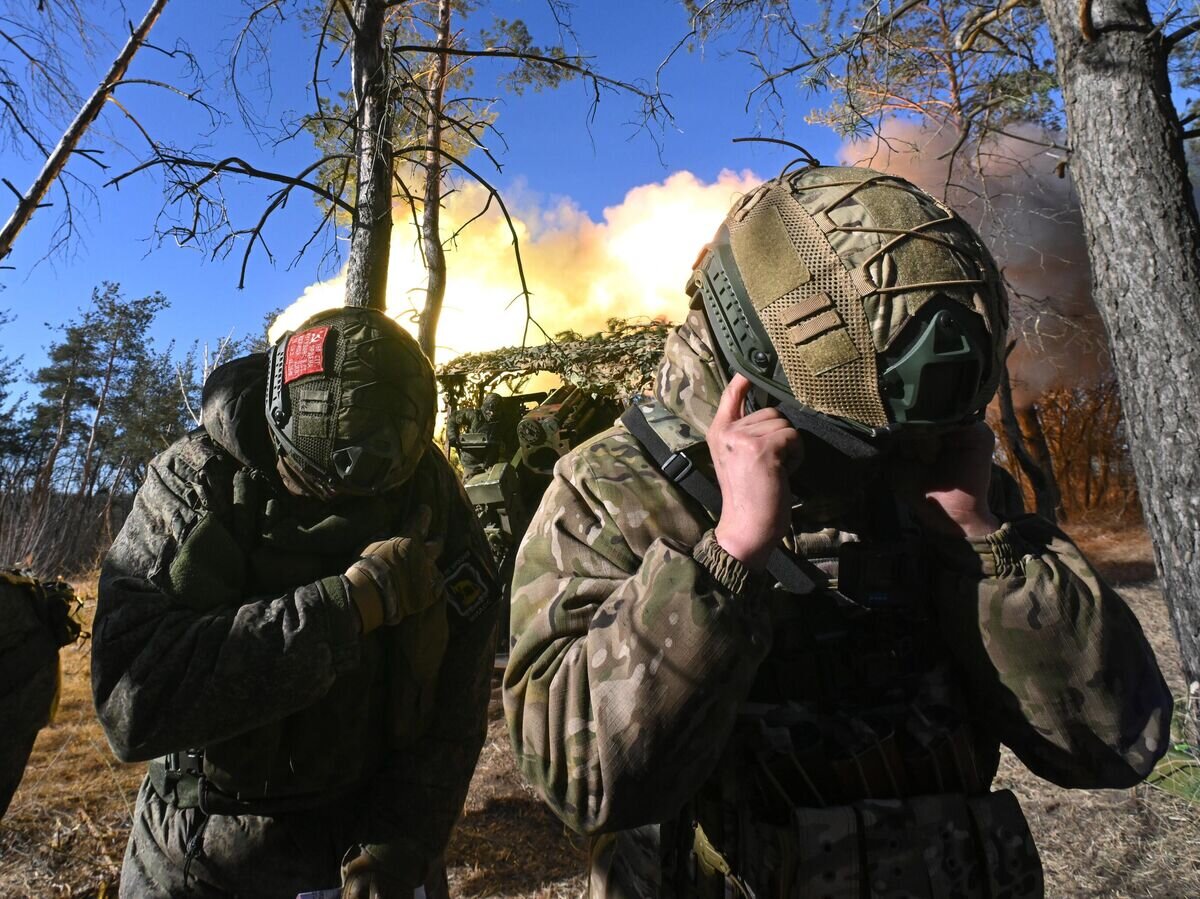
65,832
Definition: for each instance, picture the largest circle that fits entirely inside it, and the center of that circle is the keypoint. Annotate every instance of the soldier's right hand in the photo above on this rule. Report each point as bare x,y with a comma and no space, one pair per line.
753,455
398,577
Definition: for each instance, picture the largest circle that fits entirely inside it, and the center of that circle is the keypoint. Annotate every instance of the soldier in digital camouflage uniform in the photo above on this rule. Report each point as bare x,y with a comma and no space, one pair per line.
487,431
296,625
36,618
719,734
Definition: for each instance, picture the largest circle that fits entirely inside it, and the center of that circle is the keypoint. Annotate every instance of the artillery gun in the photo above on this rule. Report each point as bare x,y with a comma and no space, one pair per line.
508,445
508,448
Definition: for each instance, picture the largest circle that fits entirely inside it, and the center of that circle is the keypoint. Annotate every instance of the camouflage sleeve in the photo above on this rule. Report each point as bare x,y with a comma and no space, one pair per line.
167,675
1068,679
634,640
419,792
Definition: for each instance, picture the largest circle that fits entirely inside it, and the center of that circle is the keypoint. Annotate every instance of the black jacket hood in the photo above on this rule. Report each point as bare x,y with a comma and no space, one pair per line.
234,411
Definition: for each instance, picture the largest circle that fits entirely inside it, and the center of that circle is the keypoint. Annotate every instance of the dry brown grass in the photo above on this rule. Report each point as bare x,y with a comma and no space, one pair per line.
65,832
507,842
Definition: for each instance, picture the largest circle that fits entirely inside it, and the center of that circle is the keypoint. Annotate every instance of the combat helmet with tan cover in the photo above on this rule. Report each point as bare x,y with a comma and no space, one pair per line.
857,295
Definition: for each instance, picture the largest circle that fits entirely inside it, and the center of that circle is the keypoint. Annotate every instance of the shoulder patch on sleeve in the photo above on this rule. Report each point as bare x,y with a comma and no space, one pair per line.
467,588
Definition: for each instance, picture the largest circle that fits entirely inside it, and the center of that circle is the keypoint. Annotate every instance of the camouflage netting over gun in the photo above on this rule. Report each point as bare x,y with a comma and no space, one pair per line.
617,362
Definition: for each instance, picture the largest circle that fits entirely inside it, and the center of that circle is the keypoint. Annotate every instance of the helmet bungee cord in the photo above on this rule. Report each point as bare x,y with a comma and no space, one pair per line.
859,305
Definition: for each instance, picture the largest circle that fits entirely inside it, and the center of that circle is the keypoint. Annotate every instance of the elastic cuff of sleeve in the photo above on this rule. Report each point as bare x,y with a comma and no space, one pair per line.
343,622
365,597
727,571
998,554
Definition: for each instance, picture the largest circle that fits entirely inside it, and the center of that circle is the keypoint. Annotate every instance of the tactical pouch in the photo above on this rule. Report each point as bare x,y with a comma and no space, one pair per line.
926,846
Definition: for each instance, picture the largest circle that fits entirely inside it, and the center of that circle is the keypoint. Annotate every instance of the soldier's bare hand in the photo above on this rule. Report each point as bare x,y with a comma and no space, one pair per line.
946,486
753,456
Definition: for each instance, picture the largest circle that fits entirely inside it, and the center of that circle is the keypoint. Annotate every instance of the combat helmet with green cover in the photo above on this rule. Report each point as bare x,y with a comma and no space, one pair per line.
350,401
857,295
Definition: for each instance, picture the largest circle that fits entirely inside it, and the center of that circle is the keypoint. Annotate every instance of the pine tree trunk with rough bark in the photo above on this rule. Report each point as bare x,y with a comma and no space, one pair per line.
431,234
1143,239
371,229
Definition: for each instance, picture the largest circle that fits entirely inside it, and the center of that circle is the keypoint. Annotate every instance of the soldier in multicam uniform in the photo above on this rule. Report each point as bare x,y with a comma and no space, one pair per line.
36,618
296,624
808,697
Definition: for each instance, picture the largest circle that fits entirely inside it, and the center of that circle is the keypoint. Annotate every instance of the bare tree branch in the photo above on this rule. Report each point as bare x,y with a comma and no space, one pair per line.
57,159
235,166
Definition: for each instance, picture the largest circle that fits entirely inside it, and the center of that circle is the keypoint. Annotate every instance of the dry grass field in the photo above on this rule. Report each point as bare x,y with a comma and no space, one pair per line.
65,832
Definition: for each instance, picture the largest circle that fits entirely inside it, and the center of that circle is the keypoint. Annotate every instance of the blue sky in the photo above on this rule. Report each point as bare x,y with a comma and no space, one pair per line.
553,152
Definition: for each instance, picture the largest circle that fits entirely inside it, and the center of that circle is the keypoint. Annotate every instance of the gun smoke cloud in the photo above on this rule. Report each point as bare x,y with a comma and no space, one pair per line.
1009,189
634,260
581,272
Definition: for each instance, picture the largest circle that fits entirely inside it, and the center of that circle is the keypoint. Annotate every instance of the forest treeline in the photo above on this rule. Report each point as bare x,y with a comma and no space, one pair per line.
1076,435
77,432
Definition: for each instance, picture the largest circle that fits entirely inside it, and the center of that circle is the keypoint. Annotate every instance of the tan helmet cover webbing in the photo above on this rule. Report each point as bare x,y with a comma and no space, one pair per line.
837,260
832,368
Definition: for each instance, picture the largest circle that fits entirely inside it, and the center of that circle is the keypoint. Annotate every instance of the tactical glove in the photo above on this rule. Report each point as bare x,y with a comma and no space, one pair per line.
398,577
363,880
387,871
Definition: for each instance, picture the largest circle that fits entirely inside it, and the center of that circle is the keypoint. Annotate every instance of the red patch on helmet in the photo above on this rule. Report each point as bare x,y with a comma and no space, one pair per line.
305,354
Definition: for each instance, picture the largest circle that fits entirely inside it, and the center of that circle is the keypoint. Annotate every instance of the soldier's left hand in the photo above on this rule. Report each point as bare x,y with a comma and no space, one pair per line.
945,483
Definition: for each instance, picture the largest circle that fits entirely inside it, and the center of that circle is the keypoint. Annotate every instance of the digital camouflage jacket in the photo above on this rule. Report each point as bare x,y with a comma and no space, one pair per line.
224,625
36,618
718,737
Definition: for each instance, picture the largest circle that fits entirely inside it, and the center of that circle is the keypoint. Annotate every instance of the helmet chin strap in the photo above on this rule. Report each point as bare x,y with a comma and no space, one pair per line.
298,483
849,444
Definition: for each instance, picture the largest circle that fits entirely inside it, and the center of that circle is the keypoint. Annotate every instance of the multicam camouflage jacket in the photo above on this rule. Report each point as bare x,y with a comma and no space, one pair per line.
223,624
719,737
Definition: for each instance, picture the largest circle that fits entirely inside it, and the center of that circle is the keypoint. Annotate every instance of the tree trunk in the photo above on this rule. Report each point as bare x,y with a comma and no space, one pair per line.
45,476
97,415
106,514
1041,480
31,201
431,235
371,230
1143,241
1030,421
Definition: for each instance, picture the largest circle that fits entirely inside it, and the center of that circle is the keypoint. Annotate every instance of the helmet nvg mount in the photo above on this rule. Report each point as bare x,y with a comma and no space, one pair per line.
350,400
855,294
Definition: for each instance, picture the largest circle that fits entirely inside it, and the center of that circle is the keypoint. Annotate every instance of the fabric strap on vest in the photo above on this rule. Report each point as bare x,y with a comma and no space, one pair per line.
795,574
177,778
